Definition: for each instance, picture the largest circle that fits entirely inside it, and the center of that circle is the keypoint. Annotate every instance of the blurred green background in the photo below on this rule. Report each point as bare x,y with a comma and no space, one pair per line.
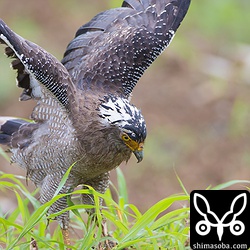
195,97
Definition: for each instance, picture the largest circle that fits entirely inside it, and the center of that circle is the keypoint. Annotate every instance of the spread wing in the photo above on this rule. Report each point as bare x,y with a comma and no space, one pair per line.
40,74
46,80
112,51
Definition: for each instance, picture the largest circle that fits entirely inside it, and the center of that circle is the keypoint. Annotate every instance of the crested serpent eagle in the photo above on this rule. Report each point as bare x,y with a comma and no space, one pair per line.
83,114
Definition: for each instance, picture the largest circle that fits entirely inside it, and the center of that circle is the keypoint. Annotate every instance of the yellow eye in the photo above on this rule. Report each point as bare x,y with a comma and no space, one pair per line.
125,137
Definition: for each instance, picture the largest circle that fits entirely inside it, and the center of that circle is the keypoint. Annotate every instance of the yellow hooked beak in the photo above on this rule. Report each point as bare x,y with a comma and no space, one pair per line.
139,155
137,149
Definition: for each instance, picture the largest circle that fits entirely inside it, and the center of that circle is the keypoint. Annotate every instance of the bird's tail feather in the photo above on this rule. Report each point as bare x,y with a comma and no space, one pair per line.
8,126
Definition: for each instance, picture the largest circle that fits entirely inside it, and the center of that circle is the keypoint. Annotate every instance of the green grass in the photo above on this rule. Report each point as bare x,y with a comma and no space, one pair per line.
158,228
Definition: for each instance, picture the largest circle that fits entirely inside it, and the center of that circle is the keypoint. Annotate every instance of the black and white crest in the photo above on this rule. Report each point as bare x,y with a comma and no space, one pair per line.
119,112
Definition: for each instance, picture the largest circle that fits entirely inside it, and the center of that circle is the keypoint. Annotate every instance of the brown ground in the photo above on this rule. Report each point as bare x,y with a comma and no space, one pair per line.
195,100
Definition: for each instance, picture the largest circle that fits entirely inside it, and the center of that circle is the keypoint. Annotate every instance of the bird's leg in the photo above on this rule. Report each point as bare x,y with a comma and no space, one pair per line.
102,224
100,184
64,224
104,228
66,239
108,243
48,189
63,221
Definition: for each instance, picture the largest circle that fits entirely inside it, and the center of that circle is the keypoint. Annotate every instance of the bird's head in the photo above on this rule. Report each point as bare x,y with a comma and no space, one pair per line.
117,111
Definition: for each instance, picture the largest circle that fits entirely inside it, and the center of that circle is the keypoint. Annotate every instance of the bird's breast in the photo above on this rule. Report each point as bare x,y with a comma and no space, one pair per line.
100,153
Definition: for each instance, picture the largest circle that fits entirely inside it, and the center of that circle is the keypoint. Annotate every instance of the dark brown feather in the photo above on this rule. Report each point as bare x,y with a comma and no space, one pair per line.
115,48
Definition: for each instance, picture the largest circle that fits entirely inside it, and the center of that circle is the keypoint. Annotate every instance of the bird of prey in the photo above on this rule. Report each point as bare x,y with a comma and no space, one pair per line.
83,114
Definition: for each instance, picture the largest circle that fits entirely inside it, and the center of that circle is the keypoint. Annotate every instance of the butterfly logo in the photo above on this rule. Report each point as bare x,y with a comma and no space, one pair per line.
210,219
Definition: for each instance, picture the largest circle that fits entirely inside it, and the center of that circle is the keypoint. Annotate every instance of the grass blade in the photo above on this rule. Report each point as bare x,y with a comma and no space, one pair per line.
148,217
230,183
